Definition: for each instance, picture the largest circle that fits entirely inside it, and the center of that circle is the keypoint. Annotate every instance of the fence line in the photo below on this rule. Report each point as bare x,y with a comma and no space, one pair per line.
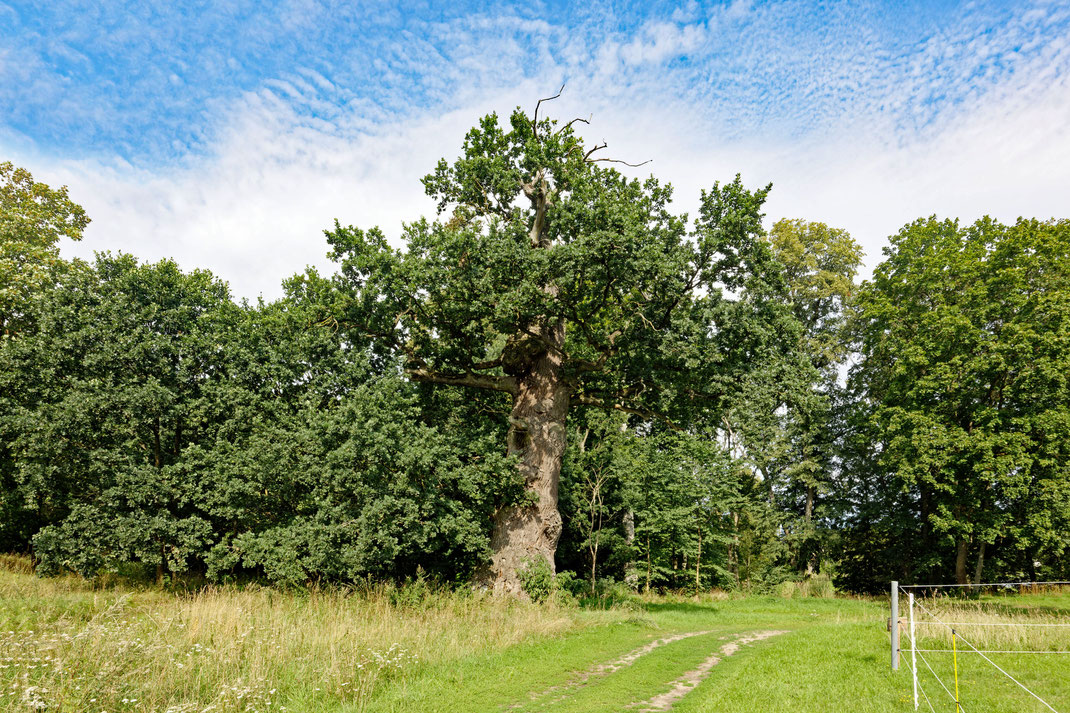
991,651
956,636
989,623
913,670
940,681
985,584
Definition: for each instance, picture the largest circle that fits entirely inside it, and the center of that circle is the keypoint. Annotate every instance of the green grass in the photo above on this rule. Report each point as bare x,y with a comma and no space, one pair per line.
74,646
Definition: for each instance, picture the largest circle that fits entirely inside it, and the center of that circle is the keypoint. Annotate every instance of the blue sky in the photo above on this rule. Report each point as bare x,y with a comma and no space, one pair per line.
228,134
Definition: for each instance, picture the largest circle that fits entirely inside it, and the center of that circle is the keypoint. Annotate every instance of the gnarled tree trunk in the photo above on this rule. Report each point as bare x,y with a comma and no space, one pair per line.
526,533
529,532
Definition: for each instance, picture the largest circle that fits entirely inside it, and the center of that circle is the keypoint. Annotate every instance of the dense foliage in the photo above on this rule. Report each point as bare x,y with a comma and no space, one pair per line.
961,406
148,419
366,425
555,280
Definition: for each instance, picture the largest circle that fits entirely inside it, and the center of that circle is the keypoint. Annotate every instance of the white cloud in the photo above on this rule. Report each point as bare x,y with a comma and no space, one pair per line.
738,9
253,211
290,158
661,41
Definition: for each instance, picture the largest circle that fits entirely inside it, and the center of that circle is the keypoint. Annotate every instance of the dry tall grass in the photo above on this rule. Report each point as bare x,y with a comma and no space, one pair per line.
68,645
990,625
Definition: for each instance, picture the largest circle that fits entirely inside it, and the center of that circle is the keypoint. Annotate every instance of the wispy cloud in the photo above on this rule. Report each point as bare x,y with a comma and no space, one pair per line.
864,116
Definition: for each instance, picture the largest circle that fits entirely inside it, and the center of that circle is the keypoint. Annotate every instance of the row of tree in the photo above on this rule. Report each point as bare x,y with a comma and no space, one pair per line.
558,370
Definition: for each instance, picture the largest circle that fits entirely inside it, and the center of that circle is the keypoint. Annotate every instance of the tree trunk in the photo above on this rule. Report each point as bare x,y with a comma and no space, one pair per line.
523,534
594,563
925,505
961,546
537,436
631,571
980,564
161,567
733,551
698,558
808,543
157,458
648,563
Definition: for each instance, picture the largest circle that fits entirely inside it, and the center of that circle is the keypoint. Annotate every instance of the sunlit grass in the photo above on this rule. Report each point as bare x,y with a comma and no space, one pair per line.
68,645
991,624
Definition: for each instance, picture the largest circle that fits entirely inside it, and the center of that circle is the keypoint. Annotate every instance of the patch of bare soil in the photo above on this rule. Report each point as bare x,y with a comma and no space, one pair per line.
686,683
582,678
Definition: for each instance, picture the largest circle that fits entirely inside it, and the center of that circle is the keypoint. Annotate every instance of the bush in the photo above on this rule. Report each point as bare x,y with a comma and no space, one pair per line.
609,594
536,579
817,586
569,583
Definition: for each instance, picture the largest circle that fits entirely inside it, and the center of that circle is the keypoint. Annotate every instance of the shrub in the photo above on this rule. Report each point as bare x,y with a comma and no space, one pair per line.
536,579
817,586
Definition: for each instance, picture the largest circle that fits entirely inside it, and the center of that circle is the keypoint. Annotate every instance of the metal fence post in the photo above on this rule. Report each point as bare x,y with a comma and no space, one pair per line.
893,625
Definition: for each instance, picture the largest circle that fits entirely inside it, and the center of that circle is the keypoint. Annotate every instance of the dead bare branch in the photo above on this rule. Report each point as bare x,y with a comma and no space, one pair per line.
617,405
475,381
579,119
535,116
481,365
617,160
599,147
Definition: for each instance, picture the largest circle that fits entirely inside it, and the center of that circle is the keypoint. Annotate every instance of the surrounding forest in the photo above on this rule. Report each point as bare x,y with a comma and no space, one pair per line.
557,373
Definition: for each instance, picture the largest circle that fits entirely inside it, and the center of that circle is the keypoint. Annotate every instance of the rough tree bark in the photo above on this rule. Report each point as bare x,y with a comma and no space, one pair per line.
537,436
534,359
631,570
979,570
961,548
698,559
546,167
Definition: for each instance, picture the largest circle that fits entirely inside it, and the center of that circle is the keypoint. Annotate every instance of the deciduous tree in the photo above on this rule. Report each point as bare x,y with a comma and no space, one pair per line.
965,339
33,218
552,278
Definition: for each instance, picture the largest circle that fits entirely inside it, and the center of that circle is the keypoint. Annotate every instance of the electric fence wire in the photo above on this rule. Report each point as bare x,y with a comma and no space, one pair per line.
914,673
921,688
926,696
987,623
937,677
976,650
941,682
991,651
985,584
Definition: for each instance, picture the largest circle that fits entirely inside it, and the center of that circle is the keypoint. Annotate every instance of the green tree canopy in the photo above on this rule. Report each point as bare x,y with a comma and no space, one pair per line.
146,419
965,338
820,264
554,279
33,218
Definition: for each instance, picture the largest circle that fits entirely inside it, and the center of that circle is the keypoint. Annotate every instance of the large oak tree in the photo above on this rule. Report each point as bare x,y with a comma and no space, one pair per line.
555,280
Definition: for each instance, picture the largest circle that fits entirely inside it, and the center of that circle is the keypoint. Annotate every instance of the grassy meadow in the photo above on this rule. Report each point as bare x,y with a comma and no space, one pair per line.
67,644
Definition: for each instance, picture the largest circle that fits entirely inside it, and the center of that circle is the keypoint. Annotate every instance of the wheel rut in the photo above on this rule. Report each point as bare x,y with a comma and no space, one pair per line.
583,678
678,688
687,682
